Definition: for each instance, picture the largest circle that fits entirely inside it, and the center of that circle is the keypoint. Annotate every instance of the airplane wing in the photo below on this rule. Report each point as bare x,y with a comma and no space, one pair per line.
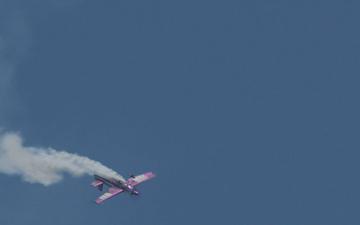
141,178
109,194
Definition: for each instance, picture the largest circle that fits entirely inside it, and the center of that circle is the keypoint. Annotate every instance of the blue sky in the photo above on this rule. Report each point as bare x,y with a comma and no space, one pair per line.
247,110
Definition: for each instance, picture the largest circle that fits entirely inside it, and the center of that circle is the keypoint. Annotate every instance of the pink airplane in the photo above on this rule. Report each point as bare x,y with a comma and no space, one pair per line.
117,186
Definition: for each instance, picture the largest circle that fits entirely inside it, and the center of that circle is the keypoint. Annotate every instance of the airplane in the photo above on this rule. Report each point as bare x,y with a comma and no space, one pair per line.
117,186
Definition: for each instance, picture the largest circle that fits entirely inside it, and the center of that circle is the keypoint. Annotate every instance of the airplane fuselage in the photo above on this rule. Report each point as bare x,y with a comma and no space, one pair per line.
111,182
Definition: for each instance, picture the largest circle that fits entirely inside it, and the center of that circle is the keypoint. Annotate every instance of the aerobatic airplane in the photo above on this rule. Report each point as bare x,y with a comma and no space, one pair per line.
117,186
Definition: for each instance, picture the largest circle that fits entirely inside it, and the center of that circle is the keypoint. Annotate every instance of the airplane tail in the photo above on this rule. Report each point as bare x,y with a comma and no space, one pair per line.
98,184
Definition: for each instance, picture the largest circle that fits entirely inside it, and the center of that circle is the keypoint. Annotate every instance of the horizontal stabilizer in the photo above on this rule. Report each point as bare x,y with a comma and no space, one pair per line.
98,184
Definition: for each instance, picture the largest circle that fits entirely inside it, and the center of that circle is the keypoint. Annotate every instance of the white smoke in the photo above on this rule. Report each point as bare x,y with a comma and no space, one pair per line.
35,165
45,166
14,43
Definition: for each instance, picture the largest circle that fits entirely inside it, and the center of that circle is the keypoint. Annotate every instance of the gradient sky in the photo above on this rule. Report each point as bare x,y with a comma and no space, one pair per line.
248,111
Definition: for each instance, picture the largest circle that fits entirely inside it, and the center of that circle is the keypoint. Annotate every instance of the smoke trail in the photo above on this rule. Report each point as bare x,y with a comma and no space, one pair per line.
34,165
45,166
15,39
